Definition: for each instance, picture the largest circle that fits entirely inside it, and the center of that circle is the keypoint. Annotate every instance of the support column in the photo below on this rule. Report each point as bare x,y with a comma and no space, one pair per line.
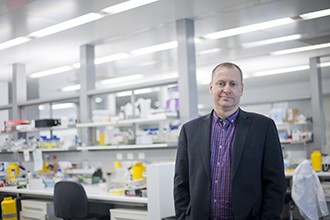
317,104
32,91
19,93
87,82
4,114
187,70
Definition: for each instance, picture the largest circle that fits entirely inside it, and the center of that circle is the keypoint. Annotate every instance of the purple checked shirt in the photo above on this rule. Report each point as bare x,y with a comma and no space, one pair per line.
222,136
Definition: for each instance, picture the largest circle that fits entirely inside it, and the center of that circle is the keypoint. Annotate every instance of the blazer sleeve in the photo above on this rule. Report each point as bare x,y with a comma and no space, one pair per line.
273,181
181,177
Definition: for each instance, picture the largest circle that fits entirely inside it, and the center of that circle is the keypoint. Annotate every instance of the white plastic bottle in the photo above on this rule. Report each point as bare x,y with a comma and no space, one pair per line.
59,175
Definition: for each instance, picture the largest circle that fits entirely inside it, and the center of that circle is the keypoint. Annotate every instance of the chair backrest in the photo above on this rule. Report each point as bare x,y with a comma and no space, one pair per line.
70,200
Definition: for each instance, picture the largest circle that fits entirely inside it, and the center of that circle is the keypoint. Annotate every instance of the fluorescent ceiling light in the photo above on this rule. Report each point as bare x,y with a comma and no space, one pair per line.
214,50
50,72
110,58
137,92
123,94
315,14
197,40
146,90
121,79
271,41
70,88
14,42
204,81
125,6
57,106
76,65
279,71
98,100
249,28
66,25
155,48
41,107
63,106
301,49
200,106
325,64
148,63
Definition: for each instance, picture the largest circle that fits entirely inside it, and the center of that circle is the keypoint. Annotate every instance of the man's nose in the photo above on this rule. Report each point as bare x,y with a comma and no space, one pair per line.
226,88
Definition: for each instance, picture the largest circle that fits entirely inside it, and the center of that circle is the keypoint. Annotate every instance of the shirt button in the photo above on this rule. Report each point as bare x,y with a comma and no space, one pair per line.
216,181
220,146
215,201
218,164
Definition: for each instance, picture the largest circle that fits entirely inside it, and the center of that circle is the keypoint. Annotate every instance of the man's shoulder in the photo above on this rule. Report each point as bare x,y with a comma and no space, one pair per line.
254,115
198,120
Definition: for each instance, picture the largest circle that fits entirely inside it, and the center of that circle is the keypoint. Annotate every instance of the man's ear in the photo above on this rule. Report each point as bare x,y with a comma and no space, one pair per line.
242,89
210,88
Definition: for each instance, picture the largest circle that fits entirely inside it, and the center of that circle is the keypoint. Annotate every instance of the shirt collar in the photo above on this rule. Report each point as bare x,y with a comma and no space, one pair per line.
230,119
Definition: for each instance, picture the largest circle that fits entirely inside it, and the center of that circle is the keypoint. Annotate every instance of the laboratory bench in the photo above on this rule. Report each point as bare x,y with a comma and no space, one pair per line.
94,193
158,205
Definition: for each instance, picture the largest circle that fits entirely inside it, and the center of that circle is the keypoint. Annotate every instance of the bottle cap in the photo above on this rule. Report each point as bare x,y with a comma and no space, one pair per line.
117,164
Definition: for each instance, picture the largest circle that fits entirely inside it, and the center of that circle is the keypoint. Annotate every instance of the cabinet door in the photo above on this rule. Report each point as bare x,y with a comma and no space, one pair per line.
32,216
128,214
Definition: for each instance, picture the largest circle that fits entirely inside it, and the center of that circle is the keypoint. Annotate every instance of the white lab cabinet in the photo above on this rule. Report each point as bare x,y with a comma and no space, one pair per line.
37,210
128,214
160,195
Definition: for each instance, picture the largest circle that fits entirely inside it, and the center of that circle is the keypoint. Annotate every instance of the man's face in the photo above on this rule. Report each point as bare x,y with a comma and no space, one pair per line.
226,88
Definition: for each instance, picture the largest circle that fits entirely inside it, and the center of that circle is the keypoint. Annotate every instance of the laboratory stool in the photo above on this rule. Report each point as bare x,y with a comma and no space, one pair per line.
288,200
71,202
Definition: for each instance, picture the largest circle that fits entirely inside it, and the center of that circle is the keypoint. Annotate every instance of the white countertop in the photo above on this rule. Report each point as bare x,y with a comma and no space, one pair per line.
94,192
319,174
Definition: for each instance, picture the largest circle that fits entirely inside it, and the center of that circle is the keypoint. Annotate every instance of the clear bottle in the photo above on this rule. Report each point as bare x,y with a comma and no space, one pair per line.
12,177
2,173
120,175
59,175
8,144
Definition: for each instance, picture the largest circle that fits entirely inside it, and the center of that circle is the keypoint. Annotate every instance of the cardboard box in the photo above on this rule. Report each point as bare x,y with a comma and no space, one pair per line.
292,115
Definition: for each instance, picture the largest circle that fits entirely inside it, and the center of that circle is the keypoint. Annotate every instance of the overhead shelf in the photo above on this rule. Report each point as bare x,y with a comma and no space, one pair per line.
47,100
128,122
103,148
79,171
295,142
6,107
129,147
145,84
53,128
287,126
51,149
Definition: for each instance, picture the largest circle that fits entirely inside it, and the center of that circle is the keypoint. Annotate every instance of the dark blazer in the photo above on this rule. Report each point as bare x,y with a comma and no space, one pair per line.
258,179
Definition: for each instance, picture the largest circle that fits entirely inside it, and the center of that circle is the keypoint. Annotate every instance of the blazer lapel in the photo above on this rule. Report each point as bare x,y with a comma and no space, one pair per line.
204,142
242,129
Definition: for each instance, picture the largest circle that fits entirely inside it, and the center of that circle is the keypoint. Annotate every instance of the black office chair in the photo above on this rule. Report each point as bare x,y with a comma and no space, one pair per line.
70,202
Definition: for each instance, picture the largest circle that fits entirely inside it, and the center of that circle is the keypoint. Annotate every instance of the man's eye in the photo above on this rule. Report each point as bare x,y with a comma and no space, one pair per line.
221,84
233,84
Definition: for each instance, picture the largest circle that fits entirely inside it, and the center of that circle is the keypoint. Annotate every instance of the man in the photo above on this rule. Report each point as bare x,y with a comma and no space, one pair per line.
229,163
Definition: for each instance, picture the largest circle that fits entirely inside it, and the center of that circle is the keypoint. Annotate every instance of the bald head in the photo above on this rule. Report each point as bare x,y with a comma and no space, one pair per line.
228,65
